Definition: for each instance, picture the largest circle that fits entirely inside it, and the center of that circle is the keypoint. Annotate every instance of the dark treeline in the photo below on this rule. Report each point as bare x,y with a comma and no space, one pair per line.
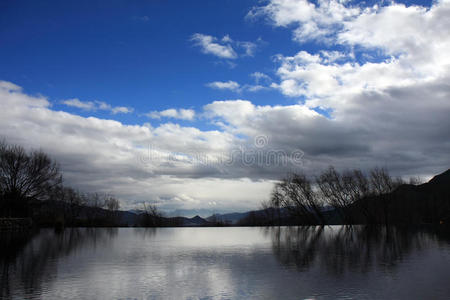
355,197
31,186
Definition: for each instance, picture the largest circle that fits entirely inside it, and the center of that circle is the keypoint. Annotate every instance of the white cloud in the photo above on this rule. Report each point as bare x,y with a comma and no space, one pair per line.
183,167
137,163
315,21
85,105
114,110
261,77
248,47
96,105
417,36
412,42
382,96
9,87
224,85
262,82
236,87
227,39
182,114
225,47
210,45
121,110
255,88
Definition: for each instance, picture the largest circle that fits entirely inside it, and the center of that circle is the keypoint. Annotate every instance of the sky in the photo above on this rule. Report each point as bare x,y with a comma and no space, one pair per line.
203,105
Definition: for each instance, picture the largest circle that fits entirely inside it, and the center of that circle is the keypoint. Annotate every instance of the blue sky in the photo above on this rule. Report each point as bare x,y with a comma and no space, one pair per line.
138,53
353,84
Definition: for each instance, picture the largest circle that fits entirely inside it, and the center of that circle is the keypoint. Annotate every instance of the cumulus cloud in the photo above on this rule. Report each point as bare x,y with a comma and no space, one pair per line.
185,167
407,137
225,47
411,43
255,87
248,47
262,82
211,45
261,77
380,99
96,105
121,110
88,105
182,114
224,85
316,22
236,87
171,165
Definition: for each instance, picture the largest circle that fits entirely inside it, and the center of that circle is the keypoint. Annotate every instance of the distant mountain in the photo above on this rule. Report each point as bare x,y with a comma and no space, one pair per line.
198,220
183,221
243,218
190,213
442,180
136,211
231,218
413,204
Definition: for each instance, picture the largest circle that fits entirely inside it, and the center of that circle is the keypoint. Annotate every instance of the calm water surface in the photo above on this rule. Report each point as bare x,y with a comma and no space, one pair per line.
226,263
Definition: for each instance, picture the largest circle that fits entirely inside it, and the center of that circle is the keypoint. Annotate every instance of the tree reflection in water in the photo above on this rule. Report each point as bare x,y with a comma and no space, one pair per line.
340,249
27,259
84,262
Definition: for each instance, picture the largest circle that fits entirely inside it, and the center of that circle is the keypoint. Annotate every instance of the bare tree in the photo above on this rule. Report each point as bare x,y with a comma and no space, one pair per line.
353,191
271,212
372,198
295,193
151,216
415,180
112,204
94,203
382,185
26,176
337,191
74,202
361,192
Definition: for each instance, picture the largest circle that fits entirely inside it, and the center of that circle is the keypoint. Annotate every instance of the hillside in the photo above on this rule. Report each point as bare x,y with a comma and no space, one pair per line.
412,204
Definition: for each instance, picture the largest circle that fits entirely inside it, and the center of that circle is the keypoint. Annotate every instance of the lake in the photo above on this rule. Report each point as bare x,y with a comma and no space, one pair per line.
334,262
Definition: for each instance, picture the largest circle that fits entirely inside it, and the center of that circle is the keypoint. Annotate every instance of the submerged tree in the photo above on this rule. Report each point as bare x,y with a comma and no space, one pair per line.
296,194
355,196
151,216
342,190
271,212
382,185
112,204
74,202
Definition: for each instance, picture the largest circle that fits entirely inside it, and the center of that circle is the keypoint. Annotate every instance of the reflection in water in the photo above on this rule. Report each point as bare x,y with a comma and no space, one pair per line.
226,263
30,258
342,249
